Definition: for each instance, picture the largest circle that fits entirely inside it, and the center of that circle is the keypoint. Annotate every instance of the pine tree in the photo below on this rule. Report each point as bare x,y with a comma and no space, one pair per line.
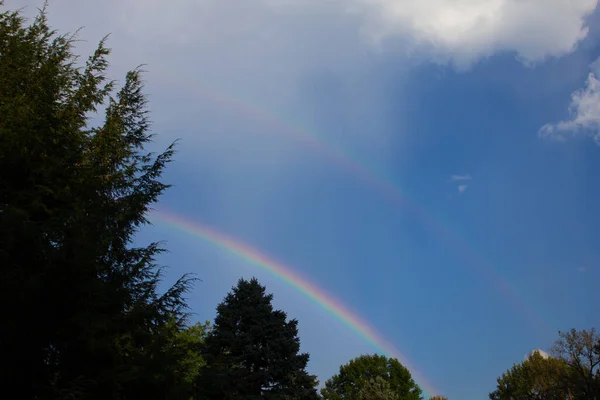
252,351
81,313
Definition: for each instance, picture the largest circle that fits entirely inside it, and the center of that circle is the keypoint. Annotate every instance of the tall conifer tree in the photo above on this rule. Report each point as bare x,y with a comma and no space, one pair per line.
81,313
252,351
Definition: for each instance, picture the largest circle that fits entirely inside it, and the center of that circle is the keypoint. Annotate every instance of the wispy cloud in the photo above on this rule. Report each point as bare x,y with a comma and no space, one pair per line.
581,269
461,177
461,182
584,112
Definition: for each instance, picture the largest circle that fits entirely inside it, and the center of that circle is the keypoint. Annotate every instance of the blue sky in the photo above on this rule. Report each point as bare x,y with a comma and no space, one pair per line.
485,114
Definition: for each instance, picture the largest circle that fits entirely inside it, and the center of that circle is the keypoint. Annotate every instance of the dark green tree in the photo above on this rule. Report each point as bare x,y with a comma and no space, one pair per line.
252,350
182,361
537,378
189,360
374,376
82,316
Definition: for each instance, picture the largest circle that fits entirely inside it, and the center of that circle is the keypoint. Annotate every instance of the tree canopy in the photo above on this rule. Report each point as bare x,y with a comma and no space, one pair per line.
571,372
374,376
536,378
580,350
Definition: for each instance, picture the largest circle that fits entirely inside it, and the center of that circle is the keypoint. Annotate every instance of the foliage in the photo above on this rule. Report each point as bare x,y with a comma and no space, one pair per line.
580,351
252,351
377,388
189,345
79,300
82,314
366,374
536,378
184,358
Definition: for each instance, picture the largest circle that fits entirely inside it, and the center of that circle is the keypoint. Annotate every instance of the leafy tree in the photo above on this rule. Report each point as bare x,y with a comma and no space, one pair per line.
367,374
597,354
536,378
80,303
183,360
189,345
252,351
579,350
377,388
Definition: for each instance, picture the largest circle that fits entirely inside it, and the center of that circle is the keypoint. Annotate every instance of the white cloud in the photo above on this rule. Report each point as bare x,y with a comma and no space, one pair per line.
461,177
458,31
584,112
464,31
581,269
461,182
542,353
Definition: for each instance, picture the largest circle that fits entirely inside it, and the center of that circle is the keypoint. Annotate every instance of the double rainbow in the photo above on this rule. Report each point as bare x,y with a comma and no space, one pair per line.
377,181
382,185
285,273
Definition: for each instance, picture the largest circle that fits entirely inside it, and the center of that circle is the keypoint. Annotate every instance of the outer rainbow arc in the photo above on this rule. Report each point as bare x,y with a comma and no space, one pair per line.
293,279
388,189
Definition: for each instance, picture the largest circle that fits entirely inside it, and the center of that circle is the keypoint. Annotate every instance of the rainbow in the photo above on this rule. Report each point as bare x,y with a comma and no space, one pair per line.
384,186
292,278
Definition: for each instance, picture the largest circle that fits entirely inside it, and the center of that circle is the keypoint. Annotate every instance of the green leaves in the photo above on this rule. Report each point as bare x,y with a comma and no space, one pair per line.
572,372
537,377
372,376
579,350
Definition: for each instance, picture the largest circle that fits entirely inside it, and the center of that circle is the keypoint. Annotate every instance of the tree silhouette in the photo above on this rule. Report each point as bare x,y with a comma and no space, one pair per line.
252,351
80,302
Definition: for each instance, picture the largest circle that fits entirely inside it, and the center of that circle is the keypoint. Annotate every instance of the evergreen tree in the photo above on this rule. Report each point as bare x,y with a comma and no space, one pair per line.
252,351
81,313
